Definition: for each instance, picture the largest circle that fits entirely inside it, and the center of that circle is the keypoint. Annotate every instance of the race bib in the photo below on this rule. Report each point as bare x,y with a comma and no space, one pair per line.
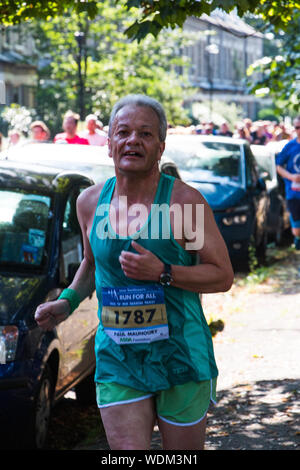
136,314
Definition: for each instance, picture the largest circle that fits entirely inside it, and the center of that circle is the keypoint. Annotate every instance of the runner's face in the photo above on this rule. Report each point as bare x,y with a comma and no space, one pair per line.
134,143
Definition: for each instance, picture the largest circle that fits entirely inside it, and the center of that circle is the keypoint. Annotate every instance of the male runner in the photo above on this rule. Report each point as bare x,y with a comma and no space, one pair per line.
288,166
154,353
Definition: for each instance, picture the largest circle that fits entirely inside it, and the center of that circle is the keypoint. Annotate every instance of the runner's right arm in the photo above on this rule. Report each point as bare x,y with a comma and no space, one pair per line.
50,314
287,175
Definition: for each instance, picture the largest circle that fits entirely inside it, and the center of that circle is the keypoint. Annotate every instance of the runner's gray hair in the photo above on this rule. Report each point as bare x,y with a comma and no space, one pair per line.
141,100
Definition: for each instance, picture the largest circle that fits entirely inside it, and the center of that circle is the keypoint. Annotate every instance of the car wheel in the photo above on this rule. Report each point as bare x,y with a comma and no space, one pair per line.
261,249
39,425
86,391
279,231
253,255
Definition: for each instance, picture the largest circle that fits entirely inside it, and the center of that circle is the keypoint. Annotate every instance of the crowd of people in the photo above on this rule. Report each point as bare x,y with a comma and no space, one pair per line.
95,133
256,132
92,135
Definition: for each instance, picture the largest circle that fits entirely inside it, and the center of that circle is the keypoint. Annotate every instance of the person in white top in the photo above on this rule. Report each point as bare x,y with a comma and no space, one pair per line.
92,134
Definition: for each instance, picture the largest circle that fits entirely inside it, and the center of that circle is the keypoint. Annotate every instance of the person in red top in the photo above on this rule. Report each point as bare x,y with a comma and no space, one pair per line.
70,127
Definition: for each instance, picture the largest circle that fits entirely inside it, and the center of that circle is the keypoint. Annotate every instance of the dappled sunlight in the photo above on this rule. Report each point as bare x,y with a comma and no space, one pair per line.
256,416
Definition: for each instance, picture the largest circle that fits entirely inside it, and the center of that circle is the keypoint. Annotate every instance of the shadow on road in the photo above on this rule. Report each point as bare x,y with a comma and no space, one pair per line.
263,415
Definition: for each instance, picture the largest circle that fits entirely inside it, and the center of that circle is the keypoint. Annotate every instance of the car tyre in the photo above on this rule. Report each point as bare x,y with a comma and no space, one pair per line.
86,391
39,425
261,249
252,255
279,232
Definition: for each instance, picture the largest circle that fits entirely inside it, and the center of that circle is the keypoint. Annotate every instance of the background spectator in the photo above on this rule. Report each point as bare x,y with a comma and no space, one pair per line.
40,131
92,133
14,137
224,130
242,132
70,127
258,135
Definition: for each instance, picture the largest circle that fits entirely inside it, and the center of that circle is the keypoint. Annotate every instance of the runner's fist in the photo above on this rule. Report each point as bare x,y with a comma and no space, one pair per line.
143,265
49,314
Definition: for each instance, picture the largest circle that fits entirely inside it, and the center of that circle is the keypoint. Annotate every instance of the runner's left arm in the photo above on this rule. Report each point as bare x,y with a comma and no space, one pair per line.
213,274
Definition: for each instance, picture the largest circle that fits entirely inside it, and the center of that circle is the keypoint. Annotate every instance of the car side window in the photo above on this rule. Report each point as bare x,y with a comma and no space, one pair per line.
72,251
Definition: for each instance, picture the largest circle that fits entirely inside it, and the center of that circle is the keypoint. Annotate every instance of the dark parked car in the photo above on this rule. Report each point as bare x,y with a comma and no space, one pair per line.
40,249
278,221
224,170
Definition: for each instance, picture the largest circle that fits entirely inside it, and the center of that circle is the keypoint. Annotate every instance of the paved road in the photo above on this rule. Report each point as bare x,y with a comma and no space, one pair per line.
258,360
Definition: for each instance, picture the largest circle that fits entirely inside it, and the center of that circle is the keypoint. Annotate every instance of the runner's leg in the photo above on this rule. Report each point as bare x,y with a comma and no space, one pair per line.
129,426
182,437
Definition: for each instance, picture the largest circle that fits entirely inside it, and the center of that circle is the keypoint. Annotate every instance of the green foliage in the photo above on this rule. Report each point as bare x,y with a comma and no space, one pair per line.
18,117
19,10
258,275
156,15
267,114
279,73
105,69
221,112
216,326
153,15
111,66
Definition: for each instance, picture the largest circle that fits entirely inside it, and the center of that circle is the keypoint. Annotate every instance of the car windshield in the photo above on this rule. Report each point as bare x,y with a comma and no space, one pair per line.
24,219
207,161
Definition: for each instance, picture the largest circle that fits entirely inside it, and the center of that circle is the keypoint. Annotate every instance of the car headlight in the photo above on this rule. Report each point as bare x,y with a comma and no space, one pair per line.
8,343
236,216
235,220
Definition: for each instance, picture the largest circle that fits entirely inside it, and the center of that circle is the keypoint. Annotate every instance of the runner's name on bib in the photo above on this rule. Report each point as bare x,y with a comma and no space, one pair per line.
132,315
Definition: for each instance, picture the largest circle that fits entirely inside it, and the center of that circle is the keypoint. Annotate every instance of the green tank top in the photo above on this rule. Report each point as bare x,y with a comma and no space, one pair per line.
149,337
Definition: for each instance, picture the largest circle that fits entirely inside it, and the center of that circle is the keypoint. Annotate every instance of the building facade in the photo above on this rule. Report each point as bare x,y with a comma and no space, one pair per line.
219,60
16,70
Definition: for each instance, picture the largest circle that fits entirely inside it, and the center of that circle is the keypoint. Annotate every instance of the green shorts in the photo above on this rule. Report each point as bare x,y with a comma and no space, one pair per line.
181,405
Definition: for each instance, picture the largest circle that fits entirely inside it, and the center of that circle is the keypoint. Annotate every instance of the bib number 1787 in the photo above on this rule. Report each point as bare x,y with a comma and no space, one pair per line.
137,316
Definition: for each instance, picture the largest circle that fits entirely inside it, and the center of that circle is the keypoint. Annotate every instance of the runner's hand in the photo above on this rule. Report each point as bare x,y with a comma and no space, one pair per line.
296,178
50,314
144,265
